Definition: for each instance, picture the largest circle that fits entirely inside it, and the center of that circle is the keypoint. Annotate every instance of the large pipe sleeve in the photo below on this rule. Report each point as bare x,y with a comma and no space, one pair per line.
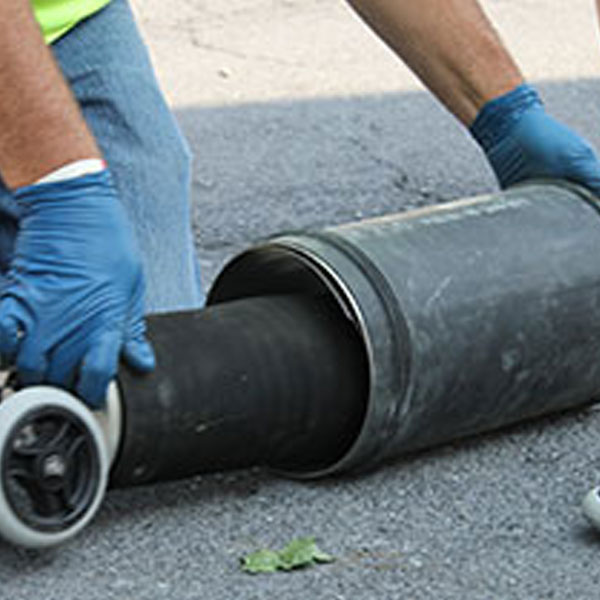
326,351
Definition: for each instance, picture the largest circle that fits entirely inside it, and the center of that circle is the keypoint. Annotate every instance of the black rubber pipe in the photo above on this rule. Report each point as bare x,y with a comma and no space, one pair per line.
278,381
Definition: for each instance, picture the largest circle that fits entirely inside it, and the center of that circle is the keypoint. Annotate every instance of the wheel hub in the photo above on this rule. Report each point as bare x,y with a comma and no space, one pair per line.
50,469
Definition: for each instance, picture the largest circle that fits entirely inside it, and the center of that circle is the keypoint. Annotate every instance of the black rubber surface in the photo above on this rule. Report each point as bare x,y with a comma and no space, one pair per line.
277,381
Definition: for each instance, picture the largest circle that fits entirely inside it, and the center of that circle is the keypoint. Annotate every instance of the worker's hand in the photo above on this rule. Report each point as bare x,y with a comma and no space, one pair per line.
73,303
522,141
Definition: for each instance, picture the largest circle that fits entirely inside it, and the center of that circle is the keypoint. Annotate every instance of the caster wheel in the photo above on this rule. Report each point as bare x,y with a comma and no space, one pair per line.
591,507
53,467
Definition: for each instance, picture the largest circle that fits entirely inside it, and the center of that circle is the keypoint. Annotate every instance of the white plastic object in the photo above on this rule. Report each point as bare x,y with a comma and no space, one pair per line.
591,506
110,419
12,411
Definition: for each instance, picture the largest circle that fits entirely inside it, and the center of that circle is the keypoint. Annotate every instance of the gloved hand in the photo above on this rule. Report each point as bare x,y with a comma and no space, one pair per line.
74,298
521,141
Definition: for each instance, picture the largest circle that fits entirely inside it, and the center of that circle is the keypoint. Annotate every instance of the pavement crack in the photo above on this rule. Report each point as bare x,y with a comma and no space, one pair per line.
399,178
264,58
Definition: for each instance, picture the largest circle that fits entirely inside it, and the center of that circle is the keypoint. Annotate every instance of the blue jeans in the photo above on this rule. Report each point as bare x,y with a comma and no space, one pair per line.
107,66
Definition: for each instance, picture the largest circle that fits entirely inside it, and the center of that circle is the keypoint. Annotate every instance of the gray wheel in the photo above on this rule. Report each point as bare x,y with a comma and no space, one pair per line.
53,467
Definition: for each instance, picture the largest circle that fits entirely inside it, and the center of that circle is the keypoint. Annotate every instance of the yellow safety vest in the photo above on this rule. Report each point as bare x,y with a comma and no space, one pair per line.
56,17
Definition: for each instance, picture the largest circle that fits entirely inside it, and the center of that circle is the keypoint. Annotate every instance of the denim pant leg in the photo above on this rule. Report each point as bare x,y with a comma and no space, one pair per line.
9,226
107,66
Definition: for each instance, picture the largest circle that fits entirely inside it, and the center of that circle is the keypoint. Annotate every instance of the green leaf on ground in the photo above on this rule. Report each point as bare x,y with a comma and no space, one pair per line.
302,552
299,553
263,561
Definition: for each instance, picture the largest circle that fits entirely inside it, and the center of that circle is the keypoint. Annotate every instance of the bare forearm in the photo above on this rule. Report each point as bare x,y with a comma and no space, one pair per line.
450,45
41,127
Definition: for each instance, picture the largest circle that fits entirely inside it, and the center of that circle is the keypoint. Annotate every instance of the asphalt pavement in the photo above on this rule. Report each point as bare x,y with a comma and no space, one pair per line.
314,125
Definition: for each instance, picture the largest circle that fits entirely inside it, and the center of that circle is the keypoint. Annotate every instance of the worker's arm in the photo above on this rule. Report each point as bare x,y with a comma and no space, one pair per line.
453,48
450,45
41,126
73,301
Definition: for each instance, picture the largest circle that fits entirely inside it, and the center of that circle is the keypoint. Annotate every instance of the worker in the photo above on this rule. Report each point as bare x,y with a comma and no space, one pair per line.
96,199
95,224
455,51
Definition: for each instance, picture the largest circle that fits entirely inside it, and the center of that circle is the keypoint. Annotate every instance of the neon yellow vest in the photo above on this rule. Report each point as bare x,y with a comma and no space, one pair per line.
56,17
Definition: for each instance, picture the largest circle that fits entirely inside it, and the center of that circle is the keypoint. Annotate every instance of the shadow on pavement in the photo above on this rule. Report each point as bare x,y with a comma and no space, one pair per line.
264,168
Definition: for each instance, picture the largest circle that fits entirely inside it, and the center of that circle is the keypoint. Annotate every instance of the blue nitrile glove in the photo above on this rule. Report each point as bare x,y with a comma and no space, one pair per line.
73,303
521,141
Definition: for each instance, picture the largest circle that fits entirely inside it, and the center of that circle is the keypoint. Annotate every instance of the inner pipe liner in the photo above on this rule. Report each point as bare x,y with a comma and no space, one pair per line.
279,381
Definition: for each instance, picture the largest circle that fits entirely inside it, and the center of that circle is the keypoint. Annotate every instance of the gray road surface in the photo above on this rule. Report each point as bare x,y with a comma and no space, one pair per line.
280,144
